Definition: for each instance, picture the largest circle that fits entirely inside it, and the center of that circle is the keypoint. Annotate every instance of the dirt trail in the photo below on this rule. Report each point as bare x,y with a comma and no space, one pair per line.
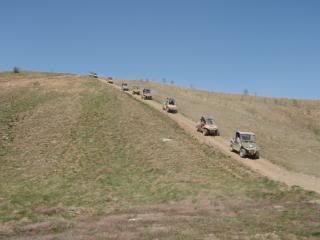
261,166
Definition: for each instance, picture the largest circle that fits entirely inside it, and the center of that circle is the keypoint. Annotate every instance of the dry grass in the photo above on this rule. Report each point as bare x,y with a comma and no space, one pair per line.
82,159
288,130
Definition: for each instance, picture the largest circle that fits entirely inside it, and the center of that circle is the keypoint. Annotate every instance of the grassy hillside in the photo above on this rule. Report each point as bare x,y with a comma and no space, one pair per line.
288,130
80,160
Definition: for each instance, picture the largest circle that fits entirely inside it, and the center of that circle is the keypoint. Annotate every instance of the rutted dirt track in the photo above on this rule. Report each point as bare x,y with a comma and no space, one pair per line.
261,166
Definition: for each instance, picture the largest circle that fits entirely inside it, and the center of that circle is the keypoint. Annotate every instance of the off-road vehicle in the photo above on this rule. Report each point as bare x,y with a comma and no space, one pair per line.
135,90
93,74
146,94
207,126
245,144
124,87
110,80
170,105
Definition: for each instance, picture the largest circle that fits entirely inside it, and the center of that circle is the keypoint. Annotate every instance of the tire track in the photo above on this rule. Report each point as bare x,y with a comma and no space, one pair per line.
262,166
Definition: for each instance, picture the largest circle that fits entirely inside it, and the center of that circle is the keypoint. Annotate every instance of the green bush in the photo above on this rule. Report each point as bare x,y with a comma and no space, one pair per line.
16,70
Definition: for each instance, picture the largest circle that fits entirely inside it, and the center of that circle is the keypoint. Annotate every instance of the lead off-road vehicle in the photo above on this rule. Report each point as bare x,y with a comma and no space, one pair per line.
245,144
170,105
93,74
207,126
135,90
146,94
124,87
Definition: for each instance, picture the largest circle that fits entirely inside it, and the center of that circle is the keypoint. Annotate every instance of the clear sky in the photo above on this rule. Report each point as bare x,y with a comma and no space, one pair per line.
271,47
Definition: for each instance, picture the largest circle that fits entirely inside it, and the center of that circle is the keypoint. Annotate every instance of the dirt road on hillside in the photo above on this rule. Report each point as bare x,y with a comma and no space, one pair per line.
261,166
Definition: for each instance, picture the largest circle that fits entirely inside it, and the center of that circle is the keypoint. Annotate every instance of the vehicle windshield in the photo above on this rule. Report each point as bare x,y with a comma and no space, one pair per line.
248,137
146,90
171,102
209,121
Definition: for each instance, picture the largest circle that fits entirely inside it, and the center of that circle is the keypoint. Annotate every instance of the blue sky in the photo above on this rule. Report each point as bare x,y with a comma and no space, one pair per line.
271,47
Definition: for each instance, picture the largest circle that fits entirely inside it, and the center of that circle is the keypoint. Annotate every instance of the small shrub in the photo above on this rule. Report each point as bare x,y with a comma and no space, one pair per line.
295,103
36,84
308,112
16,70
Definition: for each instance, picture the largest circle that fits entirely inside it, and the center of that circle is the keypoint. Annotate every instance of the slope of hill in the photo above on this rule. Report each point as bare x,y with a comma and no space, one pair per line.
80,160
288,130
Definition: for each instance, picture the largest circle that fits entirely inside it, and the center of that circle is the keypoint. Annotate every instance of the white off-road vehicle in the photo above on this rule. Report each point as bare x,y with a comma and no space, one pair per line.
124,87
207,126
170,105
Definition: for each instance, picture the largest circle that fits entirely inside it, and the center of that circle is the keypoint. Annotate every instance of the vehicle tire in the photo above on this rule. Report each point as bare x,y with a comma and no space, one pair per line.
218,133
231,149
242,153
205,132
257,156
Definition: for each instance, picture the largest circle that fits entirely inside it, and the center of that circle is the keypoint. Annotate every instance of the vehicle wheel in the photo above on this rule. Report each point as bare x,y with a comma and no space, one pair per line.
217,133
231,149
205,132
257,156
242,153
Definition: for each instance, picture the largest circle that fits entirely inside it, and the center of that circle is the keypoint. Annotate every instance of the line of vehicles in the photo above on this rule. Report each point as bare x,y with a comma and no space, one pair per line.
243,143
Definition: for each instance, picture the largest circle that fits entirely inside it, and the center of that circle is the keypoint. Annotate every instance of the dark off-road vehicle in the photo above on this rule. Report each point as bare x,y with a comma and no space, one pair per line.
146,94
170,105
207,126
245,144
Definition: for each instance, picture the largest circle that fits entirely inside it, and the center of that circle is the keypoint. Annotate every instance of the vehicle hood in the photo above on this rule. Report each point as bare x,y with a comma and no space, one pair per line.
249,145
210,127
172,106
